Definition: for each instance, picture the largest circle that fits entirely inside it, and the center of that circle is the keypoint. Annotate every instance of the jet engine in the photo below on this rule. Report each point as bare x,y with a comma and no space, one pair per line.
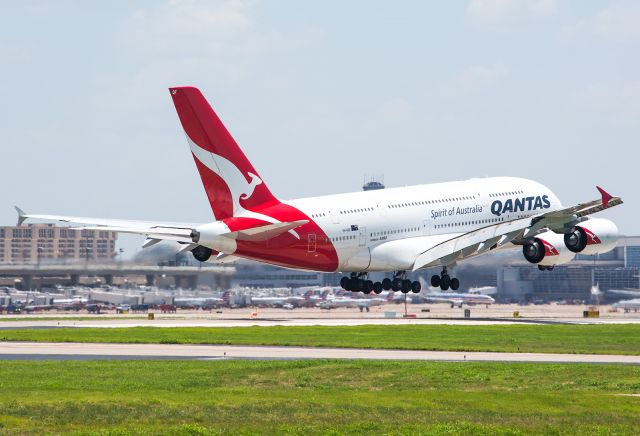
202,253
547,249
212,236
594,236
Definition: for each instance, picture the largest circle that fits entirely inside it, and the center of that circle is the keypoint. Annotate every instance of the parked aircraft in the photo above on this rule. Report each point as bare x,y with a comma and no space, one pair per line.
290,300
628,305
393,230
361,303
200,302
458,299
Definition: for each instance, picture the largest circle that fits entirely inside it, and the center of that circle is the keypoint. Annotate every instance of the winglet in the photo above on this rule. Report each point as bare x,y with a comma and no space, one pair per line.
606,197
21,215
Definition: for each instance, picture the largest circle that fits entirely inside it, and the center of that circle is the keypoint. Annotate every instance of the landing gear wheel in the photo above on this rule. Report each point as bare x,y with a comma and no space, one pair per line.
445,282
455,284
368,286
386,284
348,284
377,287
345,283
416,287
406,286
435,281
396,285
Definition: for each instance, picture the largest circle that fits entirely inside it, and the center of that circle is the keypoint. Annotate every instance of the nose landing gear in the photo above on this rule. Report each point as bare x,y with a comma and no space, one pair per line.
444,281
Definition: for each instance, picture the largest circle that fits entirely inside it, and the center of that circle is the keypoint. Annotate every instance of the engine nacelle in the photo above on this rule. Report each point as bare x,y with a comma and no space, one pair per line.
202,253
594,236
547,249
210,235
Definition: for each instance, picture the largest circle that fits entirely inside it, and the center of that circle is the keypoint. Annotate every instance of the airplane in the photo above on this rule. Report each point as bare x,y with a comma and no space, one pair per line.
458,299
200,301
628,305
361,303
278,301
394,230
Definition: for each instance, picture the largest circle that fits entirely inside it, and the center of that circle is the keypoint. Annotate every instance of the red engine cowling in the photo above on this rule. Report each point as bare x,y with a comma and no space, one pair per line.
594,236
547,249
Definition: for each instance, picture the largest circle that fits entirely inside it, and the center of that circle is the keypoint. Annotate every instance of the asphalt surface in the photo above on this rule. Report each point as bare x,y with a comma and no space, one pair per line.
91,351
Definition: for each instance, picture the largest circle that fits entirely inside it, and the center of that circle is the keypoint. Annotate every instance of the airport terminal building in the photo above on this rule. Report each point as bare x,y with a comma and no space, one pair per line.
618,269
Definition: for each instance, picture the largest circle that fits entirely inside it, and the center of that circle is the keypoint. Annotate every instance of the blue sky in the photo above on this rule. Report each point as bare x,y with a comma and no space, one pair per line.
318,95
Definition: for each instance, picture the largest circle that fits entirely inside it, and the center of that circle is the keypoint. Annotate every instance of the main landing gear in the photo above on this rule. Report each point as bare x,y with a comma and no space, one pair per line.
444,282
356,283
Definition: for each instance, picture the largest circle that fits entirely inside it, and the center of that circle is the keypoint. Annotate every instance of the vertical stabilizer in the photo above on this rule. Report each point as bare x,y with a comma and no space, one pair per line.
230,181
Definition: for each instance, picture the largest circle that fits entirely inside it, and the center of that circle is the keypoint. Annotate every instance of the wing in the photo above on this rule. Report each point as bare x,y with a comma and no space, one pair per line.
180,232
158,231
496,236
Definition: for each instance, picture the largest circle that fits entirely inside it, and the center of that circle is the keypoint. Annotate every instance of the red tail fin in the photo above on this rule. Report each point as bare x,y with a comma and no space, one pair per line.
231,182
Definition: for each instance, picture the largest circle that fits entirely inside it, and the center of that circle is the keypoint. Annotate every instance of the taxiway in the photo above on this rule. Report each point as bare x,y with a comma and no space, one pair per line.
90,351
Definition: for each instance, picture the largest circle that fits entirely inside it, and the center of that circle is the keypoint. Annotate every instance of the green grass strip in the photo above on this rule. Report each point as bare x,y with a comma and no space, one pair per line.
580,339
316,397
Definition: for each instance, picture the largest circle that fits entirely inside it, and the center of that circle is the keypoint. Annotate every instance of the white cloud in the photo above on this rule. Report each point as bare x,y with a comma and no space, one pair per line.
396,111
617,102
189,26
619,22
503,11
179,42
473,79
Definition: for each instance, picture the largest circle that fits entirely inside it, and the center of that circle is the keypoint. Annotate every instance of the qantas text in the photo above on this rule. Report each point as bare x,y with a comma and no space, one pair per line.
499,207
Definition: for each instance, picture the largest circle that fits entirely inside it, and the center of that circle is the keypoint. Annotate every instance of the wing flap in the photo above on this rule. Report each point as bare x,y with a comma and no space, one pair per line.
482,240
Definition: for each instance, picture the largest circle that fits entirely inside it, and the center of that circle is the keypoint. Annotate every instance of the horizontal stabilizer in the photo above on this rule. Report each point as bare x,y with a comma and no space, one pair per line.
262,233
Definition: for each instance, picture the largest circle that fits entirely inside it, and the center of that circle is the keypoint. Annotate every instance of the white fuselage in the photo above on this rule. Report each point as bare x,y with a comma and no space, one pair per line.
384,230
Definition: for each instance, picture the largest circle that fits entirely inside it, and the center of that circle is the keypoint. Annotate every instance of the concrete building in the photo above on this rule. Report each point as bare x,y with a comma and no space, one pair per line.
36,243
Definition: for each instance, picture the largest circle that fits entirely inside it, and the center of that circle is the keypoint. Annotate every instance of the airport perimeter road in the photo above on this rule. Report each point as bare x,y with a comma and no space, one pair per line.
63,351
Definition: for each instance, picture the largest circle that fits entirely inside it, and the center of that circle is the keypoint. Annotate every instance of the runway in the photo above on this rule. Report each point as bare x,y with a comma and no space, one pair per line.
90,351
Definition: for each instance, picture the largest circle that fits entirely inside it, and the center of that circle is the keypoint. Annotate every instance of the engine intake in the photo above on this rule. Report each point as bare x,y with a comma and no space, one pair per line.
547,249
202,253
212,235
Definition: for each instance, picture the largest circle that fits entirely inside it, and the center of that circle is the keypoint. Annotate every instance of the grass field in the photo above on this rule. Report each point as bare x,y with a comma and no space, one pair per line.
330,397
596,339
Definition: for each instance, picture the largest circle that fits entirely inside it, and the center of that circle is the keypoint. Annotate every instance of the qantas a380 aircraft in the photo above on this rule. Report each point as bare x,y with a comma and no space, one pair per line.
394,230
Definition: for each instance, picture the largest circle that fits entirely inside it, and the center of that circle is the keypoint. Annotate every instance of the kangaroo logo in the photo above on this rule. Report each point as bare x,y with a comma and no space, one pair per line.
236,182
255,181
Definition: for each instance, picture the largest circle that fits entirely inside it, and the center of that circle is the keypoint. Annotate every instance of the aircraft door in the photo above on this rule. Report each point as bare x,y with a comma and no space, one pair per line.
362,236
311,242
